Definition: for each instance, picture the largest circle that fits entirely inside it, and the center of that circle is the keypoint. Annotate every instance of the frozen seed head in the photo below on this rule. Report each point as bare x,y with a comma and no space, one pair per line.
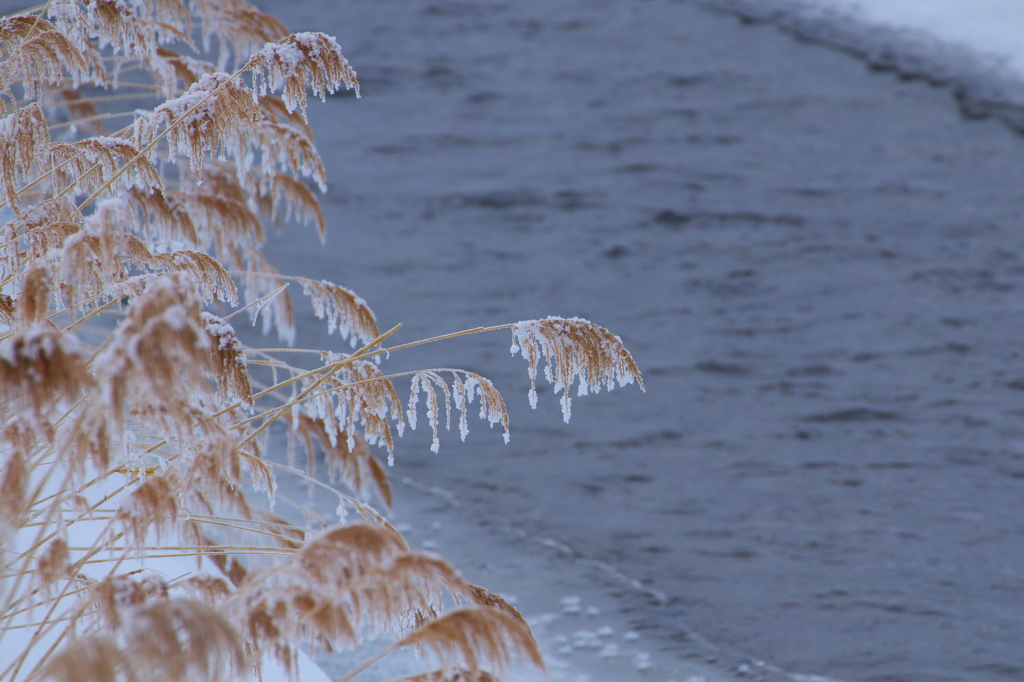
153,504
349,577
284,146
117,24
302,60
239,27
355,398
291,199
355,466
179,640
215,115
24,142
42,59
344,553
477,639
574,350
116,597
158,358
484,597
465,387
166,215
212,280
169,68
86,165
228,362
40,367
343,310
14,30
95,658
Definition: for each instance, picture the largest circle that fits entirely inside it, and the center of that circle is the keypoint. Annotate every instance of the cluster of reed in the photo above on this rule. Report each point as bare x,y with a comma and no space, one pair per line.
131,421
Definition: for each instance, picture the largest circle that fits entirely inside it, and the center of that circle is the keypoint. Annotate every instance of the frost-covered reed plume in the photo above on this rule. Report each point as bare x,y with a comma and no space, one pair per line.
130,420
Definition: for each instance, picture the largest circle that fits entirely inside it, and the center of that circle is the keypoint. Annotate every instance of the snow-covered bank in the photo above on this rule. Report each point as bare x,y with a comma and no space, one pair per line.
972,47
992,28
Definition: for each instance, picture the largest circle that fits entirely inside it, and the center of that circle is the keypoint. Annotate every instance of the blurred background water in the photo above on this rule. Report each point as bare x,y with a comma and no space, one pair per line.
818,266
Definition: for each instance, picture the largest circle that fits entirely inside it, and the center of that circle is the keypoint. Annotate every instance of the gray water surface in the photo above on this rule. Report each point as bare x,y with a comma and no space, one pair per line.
819,269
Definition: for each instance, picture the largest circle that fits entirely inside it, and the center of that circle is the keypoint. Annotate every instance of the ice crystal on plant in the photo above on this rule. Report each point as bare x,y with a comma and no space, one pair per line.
299,61
574,350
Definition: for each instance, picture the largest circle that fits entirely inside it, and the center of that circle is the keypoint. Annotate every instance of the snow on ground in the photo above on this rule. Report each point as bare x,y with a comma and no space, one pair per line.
21,628
992,28
971,47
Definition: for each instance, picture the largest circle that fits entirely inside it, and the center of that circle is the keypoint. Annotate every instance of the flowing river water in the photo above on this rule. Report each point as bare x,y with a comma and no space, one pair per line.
818,265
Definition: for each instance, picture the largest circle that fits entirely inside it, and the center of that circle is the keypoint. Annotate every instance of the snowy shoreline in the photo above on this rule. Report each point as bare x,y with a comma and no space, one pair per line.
956,47
573,605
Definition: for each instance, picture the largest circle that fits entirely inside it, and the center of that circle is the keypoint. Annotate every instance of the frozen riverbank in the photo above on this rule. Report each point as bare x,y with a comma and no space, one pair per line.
818,268
587,616
972,48
990,28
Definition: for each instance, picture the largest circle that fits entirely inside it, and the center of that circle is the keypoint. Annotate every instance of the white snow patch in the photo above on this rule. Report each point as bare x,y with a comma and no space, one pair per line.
990,28
571,605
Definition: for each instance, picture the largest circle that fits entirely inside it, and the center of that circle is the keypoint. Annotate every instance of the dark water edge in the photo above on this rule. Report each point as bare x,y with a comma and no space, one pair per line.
981,90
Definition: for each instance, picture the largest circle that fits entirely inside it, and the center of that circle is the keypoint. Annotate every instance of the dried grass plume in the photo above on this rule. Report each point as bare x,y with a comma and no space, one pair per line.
141,435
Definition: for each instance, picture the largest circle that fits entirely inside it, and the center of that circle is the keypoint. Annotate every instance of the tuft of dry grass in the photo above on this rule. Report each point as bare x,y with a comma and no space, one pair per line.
574,350
132,418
